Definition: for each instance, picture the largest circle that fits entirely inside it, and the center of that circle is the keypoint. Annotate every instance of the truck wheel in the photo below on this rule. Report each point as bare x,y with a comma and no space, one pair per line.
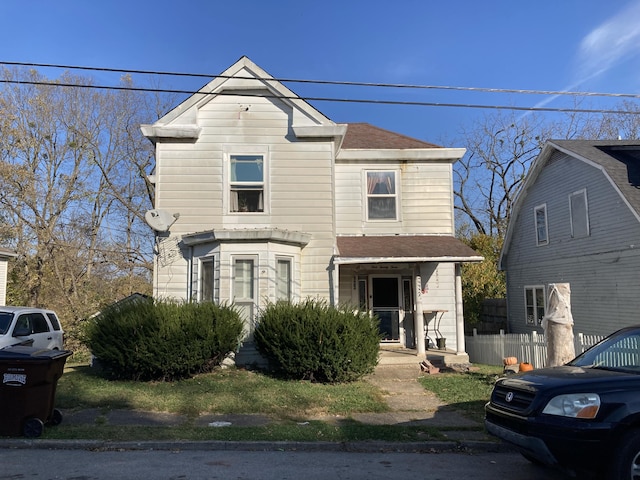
33,428
625,463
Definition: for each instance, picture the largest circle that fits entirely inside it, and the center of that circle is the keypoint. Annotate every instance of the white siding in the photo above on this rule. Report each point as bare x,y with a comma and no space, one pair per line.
191,181
3,281
425,199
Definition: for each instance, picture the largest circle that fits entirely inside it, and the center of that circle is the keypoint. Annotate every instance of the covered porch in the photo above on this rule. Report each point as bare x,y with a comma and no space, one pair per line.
412,284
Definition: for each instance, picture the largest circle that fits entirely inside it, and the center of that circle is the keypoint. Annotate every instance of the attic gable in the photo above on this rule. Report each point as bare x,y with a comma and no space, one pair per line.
244,78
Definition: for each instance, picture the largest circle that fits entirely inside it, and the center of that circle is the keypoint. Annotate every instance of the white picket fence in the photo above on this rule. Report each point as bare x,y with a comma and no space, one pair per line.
531,348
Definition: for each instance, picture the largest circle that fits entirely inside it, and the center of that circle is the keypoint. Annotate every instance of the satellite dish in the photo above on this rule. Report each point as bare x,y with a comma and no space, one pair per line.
160,220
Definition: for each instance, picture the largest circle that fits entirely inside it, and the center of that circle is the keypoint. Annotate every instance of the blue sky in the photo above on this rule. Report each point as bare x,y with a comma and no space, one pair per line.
551,45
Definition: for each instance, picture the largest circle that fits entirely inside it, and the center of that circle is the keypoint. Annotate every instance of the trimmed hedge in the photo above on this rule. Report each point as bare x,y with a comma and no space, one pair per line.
162,340
313,341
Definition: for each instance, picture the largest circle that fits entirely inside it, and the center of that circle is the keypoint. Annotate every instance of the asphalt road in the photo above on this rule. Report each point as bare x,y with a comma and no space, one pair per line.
39,464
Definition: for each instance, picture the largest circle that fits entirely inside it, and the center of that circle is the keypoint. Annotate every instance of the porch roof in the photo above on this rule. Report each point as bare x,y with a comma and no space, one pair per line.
403,248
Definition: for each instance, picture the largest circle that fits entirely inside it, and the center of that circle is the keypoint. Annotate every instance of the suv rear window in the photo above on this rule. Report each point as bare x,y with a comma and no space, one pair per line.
54,320
39,323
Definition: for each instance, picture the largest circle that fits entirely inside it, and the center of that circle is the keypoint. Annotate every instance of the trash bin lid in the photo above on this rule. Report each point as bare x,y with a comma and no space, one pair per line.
31,353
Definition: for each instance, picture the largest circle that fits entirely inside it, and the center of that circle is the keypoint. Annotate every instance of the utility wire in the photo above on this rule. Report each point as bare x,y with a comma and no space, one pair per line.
331,82
326,99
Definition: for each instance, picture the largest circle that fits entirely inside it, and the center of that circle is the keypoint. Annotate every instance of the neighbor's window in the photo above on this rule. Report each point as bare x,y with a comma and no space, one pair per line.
206,280
542,231
246,184
579,214
381,195
534,304
283,279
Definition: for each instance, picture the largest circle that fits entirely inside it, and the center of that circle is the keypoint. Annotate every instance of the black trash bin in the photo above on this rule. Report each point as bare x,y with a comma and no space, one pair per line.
29,377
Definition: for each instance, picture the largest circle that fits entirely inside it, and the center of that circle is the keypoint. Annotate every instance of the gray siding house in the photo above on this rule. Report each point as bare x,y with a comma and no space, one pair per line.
260,197
577,221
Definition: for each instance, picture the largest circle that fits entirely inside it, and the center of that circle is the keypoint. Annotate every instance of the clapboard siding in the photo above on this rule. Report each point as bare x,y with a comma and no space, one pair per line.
426,202
601,268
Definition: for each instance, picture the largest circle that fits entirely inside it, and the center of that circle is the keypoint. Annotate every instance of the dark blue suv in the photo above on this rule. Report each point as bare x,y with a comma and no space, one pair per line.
583,416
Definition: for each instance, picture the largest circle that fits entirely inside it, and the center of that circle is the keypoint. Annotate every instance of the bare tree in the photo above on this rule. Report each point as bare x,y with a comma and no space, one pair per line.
499,153
73,190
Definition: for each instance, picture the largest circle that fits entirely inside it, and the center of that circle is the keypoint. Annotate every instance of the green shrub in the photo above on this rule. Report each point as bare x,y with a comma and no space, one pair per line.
313,341
162,340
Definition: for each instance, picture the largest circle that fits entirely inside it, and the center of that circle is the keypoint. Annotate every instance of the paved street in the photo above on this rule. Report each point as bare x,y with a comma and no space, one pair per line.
39,464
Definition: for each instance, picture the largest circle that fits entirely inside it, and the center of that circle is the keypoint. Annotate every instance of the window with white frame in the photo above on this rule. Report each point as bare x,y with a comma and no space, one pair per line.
246,183
283,278
243,285
579,212
207,282
535,304
243,279
382,197
542,230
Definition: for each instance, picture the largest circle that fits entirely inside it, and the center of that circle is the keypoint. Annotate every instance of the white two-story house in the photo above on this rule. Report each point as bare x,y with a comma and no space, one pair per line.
260,197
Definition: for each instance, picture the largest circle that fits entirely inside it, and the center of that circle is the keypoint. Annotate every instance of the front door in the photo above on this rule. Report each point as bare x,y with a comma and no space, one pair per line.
385,304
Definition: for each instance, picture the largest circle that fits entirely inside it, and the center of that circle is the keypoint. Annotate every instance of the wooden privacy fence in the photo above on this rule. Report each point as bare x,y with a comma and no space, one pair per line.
526,347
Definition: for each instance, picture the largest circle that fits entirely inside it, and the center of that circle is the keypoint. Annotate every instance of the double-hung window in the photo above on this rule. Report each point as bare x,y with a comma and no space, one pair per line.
579,214
283,279
534,304
382,198
246,183
244,289
542,229
207,275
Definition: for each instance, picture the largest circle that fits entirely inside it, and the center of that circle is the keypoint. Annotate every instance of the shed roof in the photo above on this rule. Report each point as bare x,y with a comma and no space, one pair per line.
403,248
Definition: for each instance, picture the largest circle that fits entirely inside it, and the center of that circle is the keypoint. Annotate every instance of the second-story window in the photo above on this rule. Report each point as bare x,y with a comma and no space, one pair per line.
381,195
246,184
579,213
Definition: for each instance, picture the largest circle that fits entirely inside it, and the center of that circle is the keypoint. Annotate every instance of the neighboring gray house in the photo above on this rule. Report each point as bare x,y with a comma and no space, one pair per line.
577,221
260,197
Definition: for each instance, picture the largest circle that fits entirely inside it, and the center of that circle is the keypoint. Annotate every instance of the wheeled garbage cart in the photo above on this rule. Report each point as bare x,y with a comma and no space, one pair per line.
29,377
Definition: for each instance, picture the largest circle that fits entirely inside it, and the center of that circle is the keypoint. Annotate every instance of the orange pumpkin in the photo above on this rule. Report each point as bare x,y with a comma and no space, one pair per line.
510,360
525,367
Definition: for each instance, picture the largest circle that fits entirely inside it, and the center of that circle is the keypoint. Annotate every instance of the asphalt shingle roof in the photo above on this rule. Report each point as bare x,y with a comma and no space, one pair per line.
404,246
366,136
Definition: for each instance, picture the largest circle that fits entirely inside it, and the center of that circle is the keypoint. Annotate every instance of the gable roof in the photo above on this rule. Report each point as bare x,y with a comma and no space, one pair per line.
403,248
618,160
242,78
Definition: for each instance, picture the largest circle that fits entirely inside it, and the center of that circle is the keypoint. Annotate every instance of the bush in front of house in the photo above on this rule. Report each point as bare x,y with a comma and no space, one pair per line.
314,341
162,340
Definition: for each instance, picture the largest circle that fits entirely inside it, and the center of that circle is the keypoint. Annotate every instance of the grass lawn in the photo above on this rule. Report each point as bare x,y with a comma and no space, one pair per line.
235,391
466,392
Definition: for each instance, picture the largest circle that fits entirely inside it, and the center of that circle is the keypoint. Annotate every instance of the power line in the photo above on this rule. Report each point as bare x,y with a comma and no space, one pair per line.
327,99
332,82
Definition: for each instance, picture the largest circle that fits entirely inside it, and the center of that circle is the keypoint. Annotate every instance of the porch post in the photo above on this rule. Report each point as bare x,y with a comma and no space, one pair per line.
418,320
460,348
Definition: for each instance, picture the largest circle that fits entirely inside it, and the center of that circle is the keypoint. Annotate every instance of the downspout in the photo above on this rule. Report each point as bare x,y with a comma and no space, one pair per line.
190,275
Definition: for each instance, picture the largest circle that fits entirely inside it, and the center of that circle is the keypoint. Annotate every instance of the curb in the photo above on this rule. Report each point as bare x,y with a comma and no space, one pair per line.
355,447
